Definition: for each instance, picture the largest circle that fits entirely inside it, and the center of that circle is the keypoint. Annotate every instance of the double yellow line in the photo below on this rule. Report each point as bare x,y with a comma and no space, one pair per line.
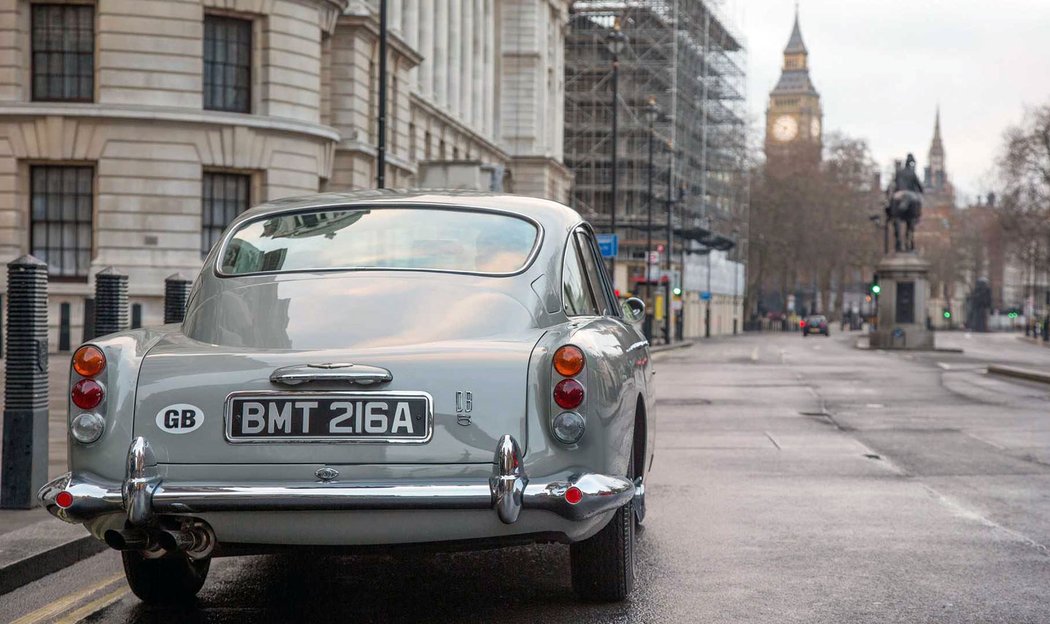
59,607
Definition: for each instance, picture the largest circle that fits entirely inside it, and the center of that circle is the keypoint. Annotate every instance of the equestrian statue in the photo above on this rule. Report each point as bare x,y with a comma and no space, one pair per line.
904,204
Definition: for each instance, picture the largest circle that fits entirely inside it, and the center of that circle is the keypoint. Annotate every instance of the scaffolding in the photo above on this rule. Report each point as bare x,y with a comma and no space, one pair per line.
686,56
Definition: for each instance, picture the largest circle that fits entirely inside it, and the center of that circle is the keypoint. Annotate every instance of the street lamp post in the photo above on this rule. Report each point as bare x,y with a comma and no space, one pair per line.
707,307
670,244
652,111
616,41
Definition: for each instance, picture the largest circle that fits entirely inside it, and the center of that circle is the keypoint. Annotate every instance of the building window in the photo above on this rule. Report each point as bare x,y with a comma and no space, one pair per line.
63,48
61,218
227,64
223,197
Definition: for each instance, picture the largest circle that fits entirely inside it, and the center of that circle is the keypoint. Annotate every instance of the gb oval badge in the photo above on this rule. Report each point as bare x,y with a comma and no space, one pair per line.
180,418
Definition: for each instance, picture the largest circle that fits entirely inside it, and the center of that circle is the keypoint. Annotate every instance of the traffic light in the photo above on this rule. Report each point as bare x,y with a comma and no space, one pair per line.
947,313
875,288
677,292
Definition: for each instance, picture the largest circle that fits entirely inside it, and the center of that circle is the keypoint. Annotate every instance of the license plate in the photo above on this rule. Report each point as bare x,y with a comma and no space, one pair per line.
330,417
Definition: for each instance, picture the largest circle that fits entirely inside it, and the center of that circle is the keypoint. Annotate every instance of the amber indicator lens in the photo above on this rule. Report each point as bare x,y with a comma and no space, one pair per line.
89,361
86,394
568,361
568,394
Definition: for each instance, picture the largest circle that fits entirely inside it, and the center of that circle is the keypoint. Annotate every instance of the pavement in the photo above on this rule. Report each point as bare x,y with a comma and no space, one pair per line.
795,480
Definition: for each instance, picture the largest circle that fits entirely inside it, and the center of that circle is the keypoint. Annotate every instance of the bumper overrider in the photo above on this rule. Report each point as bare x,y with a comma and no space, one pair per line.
78,497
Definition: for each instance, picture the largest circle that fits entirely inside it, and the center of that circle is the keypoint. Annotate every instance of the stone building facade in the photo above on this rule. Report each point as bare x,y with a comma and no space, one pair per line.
133,131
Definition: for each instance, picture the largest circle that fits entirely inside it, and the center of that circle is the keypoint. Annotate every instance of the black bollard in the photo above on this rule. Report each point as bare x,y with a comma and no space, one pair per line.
24,453
111,301
176,292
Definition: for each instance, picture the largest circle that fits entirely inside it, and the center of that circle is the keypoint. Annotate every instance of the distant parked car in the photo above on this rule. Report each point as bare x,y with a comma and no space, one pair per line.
815,324
372,369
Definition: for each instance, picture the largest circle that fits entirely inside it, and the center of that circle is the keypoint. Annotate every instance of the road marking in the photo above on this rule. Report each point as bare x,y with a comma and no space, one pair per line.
754,354
962,511
54,608
944,365
875,405
94,606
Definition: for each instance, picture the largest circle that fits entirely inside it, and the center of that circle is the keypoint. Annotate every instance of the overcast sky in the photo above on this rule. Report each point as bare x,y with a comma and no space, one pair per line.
882,66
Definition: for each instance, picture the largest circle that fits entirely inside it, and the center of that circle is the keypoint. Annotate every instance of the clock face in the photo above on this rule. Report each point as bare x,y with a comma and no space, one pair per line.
814,128
785,128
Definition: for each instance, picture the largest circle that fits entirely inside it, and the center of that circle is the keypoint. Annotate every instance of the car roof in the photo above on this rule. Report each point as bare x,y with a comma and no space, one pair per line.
549,214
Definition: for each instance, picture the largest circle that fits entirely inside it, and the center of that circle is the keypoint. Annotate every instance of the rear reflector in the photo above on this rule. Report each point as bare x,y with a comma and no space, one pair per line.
64,499
573,495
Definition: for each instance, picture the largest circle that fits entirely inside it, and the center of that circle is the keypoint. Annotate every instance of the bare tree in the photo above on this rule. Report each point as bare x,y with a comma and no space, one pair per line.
810,224
1024,207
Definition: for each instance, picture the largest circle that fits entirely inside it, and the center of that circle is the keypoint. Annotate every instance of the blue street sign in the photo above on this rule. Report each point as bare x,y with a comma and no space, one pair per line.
705,295
609,245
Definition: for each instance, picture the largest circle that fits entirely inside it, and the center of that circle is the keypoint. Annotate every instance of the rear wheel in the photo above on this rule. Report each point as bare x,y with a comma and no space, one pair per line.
603,565
171,579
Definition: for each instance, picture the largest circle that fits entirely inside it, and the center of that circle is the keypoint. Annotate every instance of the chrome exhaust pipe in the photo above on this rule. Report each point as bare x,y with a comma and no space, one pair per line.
129,539
196,541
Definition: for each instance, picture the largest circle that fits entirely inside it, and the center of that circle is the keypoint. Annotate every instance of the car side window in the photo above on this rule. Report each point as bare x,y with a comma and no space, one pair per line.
594,274
576,294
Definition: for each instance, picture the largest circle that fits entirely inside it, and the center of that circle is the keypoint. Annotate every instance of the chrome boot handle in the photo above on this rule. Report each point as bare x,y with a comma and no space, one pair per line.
359,374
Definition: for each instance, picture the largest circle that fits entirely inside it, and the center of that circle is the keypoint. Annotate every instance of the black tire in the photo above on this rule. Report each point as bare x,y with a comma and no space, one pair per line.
171,579
603,565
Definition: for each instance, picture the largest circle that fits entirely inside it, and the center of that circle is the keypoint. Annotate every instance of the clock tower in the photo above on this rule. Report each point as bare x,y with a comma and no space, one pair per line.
794,118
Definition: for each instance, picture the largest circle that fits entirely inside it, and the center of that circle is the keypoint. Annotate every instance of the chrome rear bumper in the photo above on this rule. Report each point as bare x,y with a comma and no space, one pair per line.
143,494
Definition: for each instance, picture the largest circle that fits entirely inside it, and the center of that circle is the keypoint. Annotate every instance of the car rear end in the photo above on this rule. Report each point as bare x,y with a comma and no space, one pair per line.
337,408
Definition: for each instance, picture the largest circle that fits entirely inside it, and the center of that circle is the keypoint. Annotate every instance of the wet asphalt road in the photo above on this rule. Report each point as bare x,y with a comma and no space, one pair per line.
796,480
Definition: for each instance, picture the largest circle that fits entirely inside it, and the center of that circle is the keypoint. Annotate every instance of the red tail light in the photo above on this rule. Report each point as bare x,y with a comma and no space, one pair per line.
568,394
87,394
801,323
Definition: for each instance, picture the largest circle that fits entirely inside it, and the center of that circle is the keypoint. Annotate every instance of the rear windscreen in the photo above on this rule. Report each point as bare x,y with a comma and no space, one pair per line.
382,238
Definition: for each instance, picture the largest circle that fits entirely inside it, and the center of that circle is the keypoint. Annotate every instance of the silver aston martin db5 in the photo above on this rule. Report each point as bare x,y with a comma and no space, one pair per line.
367,369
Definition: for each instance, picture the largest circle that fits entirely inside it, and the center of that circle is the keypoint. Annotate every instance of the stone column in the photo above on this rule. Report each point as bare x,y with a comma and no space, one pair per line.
491,61
425,39
395,25
468,88
454,25
440,55
412,35
477,82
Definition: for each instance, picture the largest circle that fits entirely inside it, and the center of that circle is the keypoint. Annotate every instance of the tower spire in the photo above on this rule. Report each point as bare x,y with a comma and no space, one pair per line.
937,146
795,44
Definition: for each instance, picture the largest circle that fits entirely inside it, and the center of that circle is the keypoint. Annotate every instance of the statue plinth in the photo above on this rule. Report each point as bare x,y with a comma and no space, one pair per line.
903,278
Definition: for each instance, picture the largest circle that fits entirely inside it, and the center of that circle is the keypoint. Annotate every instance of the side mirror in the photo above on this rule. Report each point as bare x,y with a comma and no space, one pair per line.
634,309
